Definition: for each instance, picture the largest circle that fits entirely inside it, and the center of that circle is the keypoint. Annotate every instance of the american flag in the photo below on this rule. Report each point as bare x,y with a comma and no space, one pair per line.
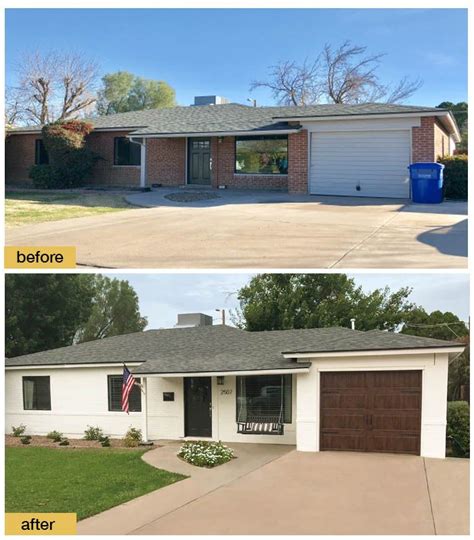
127,385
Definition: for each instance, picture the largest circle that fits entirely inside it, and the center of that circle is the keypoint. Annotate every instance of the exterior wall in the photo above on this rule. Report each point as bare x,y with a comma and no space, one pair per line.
298,162
105,173
223,169
441,141
19,157
166,161
434,396
423,141
71,412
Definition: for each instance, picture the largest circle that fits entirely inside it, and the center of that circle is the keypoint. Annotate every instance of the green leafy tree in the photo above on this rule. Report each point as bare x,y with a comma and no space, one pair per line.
460,112
123,92
449,327
115,310
44,311
285,301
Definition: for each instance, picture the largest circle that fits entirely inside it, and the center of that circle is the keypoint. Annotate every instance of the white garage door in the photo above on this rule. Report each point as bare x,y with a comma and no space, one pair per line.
362,163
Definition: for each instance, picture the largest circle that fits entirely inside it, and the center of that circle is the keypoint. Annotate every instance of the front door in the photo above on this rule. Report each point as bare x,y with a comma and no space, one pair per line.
199,167
197,407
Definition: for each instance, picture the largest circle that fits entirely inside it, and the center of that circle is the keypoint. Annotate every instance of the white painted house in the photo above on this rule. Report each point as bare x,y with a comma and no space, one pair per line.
318,389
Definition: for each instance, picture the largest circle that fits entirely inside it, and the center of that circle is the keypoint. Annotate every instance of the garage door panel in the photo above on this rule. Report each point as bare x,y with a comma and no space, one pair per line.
374,411
371,164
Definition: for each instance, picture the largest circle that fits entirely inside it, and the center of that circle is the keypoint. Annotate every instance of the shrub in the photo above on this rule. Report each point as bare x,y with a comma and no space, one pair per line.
133,437
70,162
93,433
205,454
64,442
56,436
455,176
105,441
457,429
26,439
18,431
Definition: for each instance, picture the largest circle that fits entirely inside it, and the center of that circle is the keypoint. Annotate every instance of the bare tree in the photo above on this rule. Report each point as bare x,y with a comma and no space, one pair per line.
345,74
293,84
55,86
13,107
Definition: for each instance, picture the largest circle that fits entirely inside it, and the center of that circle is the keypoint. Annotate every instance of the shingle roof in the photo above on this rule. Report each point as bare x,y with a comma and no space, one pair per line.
221,348
233,117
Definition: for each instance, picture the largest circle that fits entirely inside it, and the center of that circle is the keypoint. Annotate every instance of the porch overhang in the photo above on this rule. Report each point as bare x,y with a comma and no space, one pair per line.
302,369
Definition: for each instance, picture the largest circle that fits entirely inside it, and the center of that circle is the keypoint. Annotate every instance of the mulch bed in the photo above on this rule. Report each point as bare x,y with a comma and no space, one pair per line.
37,440
191,196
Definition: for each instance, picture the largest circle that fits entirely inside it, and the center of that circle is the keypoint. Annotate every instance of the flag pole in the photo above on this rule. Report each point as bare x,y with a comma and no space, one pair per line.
145,410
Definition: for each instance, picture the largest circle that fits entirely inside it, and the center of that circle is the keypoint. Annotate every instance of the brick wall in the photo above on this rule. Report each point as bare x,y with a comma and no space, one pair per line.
19,157
105,173
166,161
441,141
298,162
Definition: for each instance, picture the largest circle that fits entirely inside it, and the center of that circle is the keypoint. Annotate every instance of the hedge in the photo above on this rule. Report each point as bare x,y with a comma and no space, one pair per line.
457,430
455,176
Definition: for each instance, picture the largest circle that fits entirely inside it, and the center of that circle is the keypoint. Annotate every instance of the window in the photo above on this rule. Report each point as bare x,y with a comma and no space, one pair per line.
36,394
168,396
263,398
261,155
115,395
41,156
126,152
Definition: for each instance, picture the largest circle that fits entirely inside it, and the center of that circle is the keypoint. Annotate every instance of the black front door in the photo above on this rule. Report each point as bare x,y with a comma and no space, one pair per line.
199,169
197,407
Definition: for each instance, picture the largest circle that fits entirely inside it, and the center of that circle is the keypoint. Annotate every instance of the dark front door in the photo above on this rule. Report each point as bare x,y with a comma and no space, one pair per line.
197,407
199,169
371,411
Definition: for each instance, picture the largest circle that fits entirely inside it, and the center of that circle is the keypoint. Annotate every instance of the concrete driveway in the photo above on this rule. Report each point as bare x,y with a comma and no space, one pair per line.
262,230
305,493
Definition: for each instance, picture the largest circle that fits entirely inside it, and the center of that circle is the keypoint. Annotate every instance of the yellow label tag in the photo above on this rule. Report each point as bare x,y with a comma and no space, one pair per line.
30,523
40,257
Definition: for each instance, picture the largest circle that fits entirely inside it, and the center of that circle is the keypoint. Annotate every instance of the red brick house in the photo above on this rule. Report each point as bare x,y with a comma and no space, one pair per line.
360,150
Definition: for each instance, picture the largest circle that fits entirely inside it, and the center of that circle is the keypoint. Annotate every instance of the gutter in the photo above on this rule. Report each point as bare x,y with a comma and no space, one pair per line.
172,135
223,373
374,352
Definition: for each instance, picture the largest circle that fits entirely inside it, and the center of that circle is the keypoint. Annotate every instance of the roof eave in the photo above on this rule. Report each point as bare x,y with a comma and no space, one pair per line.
374,352
223,373
171,135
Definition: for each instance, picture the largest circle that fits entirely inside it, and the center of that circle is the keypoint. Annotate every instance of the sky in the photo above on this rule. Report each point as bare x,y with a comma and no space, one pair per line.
221,51
163,296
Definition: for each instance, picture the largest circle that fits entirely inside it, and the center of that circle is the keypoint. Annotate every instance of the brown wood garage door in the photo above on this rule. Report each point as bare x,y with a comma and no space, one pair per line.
371,411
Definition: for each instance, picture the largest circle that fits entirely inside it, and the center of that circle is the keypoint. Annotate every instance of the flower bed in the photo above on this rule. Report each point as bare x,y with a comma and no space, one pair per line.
205,454
37,440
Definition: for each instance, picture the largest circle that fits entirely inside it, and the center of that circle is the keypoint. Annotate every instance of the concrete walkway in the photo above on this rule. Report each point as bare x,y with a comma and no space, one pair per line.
302,493
262,230
138,513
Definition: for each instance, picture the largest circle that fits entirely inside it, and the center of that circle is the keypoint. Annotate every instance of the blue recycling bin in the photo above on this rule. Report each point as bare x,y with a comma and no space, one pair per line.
426,182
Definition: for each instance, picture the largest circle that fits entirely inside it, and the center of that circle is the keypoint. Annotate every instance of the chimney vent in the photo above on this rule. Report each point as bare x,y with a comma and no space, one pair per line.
190,320
353,324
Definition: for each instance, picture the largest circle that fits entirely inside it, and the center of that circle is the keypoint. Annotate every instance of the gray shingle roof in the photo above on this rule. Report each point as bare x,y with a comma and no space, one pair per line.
220,348
233,117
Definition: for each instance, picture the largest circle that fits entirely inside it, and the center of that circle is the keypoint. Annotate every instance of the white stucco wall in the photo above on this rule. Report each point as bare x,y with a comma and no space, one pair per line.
434,368
79,397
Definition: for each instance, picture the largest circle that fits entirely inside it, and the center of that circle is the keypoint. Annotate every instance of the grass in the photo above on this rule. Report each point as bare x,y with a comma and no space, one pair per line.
22,208
83,481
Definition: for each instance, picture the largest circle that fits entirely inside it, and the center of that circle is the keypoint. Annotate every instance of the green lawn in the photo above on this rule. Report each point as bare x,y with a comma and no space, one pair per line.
22,207
83,481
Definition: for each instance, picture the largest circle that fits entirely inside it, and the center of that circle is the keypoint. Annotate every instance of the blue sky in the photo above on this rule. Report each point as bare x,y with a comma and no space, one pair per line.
163,296
212,51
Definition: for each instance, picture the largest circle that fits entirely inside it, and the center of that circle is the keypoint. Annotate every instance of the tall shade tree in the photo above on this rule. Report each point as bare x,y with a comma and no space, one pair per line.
115,311
448,326
286,301
53,86
123,92
44,311
346,73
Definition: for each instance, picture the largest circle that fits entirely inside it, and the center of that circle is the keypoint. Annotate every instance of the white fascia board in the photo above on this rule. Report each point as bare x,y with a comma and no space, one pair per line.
357,116
71,366
226,373
215,134
380,352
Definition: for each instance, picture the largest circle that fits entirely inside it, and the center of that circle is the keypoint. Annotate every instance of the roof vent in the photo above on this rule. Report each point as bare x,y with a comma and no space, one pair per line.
210,100
190,320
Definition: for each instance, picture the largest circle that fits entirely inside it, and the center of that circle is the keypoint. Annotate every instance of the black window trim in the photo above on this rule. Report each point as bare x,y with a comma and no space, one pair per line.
290,404
23,379
116,139
259,138
109,397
